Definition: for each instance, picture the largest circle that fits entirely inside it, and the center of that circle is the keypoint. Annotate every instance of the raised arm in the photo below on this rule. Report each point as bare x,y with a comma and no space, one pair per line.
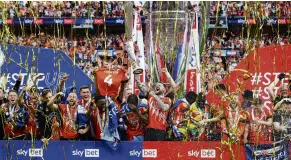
62,82
53,99
246,133
95,82
32,82
163,106
17,83
143,89
20,98
121,92
269,122
92,107
279,128
143,117
271,87
278,105
170,79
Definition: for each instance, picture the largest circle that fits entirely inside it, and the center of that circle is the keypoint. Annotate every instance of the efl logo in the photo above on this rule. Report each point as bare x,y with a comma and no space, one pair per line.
150,153
35,152
91,152
208,153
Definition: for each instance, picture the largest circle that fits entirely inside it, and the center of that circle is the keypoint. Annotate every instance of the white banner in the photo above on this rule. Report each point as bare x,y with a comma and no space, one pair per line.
193,54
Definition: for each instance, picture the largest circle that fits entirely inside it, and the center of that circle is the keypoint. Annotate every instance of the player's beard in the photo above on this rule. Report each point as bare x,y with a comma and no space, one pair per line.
72,104
101,108
159,93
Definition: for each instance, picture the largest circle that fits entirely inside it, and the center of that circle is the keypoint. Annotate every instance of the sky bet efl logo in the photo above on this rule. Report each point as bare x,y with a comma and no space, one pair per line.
32,152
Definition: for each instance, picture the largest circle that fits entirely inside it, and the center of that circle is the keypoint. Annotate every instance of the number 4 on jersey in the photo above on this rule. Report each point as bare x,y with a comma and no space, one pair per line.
108,80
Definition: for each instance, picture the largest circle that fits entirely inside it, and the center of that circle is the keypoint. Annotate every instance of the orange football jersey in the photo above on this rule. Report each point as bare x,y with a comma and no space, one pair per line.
109,80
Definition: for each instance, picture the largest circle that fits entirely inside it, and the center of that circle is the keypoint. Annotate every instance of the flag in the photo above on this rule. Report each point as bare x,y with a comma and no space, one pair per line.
160,65
178,62
181,54
192,81
137,36
110,132
113,116
139,3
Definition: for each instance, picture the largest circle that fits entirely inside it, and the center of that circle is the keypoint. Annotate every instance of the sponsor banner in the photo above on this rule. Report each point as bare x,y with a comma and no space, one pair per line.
20,59
278,150
121,21
69,21
110,53
282,21
9,21
231,52
191,150
28,21
79,150
191,80
59,21
38,21
254,21
242,21
98,21
224,52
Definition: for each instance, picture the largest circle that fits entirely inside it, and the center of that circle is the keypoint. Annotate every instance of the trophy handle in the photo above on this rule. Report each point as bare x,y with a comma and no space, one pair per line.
136,69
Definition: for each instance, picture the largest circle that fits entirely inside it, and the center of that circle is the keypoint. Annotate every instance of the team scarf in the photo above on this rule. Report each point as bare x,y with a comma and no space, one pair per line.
125,109
110,132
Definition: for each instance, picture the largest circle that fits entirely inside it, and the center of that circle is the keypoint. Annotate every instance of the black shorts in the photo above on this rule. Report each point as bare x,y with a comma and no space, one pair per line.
151,134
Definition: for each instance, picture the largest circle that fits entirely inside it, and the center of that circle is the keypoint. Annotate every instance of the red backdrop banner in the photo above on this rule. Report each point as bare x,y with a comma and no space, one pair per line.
264,65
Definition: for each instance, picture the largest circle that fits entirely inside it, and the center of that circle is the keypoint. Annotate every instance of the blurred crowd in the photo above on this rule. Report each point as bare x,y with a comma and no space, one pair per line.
63,9
82,48
225,51
250,9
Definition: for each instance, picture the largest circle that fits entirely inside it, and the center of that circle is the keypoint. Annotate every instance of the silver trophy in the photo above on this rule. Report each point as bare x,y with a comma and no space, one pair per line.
128,32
